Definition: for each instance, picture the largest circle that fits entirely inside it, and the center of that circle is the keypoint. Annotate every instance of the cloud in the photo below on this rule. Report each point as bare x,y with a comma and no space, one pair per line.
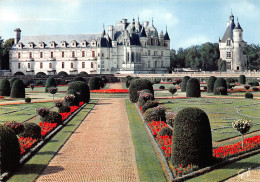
195,40
161,15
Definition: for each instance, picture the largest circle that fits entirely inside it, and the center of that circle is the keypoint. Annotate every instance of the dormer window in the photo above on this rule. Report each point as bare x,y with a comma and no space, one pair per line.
20,45
84,43
63,43
53,44
41,44
74,43
93,43
31,45
228,42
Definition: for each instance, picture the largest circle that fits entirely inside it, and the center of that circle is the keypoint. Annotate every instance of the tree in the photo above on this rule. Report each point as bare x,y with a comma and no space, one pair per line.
222,65
242,126
4,53
172,90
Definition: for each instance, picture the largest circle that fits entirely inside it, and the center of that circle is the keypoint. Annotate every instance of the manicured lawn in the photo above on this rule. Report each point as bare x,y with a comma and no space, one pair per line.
20,112
42,89
221,113
148,164
33,168
230,170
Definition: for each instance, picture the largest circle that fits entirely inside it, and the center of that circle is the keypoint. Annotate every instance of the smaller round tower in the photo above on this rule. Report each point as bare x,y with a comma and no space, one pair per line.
17,35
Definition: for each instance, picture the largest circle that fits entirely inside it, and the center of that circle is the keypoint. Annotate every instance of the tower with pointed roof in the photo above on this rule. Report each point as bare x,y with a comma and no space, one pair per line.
232,46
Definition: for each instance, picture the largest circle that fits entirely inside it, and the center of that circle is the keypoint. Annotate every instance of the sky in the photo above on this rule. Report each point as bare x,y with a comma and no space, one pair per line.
189,22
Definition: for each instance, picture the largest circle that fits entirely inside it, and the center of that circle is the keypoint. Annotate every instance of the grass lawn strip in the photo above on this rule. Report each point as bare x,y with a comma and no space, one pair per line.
230,170
148,164
33,168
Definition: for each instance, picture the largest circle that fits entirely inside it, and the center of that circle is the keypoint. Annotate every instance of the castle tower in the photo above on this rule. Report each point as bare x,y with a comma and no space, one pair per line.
17,35
167,39
239,63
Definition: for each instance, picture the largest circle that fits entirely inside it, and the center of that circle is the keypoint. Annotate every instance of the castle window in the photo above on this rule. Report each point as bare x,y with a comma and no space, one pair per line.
155,53
41,54
155,64
51,54
148,64
62,65
92,65
228,54
62,54
29,65
128,57
50,65
83,53
228,42
41,65
93,53
149,52
132,57
102,54
30,55
71,65
19,55
19,65
161,53
162,64
73,54
83,64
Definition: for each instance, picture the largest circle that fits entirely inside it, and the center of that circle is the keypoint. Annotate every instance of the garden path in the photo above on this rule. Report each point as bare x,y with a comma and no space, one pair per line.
115,86
252,175
101,149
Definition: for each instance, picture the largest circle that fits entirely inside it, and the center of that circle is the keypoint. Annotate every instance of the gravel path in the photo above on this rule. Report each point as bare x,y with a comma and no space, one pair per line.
101,149
251,175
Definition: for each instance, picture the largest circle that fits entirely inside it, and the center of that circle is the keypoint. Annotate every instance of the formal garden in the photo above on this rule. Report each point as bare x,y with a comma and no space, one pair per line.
182,128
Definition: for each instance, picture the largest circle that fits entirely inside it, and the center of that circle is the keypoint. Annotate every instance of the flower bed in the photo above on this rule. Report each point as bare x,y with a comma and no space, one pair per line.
26,143
110,91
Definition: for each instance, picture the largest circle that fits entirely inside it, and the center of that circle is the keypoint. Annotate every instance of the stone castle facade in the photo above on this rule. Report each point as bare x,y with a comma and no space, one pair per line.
232,47
127,47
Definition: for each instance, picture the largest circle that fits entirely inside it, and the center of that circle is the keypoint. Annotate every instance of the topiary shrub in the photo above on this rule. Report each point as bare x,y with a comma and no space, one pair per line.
28,100
172,90
10,152
165,131
162,87
184,83
53,117
39,82
17,127
210,84
144,96
79,78
138,85
12,81
75,101
193,88
50,83
177,81
31,130
5,88
18,90
170,116
82,89
95,83
129,80
155,114
254,83
192,140
149,104
242,79
62,106
220,82
255,89
249,95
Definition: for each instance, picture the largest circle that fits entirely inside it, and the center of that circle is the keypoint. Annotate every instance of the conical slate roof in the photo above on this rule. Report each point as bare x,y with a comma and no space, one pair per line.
238,26
166,36
143,34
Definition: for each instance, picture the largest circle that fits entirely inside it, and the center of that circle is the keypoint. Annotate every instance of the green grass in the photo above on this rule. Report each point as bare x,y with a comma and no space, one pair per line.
20,112
229,170
34,167
221,113
148,164
42,89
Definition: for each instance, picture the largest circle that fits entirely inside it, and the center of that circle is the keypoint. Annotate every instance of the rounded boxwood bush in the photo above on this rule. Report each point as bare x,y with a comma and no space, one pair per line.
75,101
162,87
155,114
184,83
138,85
95,83
192,140
82,88
50,83
165,131
31,130
144,96
17,127
12,81
193,88
149,104
255,89
242,79
5,88
18,90
249,95
254,83
79,78
220,83
210,84
10,152
129,80
53,117
28,100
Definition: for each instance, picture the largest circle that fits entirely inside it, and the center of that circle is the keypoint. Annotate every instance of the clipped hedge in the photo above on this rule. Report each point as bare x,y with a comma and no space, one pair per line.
144,96
249,95
95,83
10,152
220,82
192,140
242,79
79,78
193,88
210,84
53,117
5,89
138,85
82,88
12,81
18,90
31,130
75,101
50,83
149,104
184,83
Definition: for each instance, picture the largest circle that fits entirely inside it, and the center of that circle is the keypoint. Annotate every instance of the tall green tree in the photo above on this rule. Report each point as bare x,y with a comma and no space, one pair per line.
4,63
